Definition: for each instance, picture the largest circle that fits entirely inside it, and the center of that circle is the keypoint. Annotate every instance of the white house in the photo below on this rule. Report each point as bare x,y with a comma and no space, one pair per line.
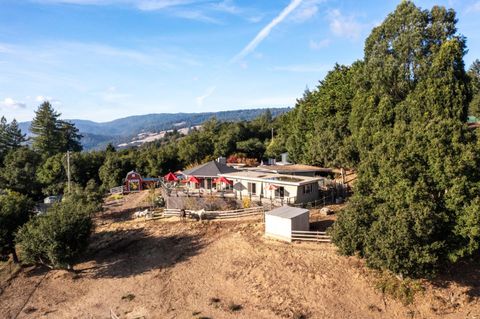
280,187
280,222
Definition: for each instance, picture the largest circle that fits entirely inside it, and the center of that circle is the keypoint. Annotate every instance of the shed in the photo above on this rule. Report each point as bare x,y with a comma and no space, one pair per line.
280,222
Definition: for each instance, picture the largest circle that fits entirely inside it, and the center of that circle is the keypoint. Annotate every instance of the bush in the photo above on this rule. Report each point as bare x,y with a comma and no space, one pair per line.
15,211
57,238
246,202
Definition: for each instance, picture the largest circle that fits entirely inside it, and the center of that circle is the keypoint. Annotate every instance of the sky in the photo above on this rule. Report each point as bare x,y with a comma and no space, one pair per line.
106,59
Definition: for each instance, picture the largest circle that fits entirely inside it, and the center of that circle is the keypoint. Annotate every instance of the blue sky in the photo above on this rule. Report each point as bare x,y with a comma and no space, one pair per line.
105,59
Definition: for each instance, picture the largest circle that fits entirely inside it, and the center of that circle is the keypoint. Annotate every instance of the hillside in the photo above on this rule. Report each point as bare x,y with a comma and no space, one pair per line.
122,130
219,269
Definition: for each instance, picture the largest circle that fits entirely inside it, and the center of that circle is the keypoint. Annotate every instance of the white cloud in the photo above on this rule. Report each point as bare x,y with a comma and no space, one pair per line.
207,94
307,10
303,68
317,45
344,26
227,6
146,5
10,103
41,99
266,30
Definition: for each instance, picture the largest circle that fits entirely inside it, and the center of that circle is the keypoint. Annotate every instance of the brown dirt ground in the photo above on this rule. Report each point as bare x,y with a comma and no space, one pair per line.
219,269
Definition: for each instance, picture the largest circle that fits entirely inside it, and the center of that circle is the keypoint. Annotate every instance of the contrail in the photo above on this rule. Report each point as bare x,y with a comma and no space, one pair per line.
266,31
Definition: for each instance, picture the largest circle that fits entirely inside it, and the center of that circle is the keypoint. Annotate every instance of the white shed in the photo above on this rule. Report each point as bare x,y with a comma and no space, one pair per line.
280,222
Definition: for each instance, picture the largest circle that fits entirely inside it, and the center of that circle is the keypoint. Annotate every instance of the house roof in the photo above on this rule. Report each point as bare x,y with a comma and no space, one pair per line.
273,178
294,168
210,169
287,212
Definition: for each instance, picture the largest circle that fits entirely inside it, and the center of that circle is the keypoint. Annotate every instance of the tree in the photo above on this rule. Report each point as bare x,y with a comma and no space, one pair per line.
47,137
19,172
70,137
474,75
52,135
51,174
15,210
57,238
418,176
11,137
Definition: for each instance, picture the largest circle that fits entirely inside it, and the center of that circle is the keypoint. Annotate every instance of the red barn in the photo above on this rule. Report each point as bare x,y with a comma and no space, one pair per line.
135,183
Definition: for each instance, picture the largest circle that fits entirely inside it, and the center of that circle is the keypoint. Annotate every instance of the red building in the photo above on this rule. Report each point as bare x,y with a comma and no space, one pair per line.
135,183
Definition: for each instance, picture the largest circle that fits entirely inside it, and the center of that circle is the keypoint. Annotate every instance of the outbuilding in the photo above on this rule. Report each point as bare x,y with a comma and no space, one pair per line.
280,222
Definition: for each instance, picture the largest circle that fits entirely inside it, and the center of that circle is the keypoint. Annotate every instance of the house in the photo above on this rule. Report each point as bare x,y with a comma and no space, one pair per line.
134,182
280,222
204,176
296,170
288,188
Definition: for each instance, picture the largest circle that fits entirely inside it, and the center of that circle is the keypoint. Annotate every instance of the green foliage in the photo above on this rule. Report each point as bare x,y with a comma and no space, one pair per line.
11,137
51,135
15,210
58,237
52,175
19,172
474,75
403,290
418,180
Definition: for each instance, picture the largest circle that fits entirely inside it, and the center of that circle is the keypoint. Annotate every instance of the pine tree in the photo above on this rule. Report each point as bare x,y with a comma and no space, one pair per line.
418,178
15,137
47,135
51,135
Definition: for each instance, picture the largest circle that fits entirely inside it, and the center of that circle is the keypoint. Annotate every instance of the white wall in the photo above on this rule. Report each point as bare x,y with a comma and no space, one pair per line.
278,227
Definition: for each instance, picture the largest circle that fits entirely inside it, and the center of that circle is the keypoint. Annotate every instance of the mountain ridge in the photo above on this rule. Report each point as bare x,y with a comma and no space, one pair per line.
99,134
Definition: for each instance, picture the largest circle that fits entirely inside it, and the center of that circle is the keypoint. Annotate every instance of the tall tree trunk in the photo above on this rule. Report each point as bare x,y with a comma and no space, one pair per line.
14,256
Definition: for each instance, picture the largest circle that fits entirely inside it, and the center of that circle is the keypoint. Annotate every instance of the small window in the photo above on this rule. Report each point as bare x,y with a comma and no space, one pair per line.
307,189
252,188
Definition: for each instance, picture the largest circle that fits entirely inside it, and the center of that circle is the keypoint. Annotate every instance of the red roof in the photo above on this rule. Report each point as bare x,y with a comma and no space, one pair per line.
222,180
193,179
170,177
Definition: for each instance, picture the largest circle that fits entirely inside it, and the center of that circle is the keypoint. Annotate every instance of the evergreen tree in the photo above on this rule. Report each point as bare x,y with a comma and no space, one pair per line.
52,135
19,172
11,136
418,181
474,75
15,210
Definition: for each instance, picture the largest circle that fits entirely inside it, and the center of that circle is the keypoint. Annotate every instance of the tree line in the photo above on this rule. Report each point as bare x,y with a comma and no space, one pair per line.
397,116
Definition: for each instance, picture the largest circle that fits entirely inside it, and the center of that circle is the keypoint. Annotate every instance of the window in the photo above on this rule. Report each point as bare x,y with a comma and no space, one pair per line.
252,188
307,189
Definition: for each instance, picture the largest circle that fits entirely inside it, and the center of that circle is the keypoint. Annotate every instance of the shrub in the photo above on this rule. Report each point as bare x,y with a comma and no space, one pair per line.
246,202
15,211
57,238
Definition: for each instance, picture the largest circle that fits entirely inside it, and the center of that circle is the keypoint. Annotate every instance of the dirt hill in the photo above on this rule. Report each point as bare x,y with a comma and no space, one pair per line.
217,269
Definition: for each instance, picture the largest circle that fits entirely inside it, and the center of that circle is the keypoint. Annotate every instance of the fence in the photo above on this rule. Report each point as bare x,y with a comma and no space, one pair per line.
215,214
116,190
303,235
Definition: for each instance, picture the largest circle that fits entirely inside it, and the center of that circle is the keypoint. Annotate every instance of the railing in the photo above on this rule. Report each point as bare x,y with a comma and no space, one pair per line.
116,190
202,214
308,235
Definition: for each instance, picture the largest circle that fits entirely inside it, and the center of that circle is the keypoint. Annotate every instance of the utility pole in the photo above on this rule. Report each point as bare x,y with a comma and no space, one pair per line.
272,133
68,171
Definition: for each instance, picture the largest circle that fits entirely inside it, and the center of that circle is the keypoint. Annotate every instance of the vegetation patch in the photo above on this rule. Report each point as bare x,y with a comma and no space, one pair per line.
400,289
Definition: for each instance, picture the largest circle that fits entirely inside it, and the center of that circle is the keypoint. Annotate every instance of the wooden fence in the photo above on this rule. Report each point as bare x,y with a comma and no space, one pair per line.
215,214
317,236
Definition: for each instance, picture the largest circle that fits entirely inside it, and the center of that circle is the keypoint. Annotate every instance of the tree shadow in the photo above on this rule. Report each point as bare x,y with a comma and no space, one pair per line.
465,273
125,253
321,225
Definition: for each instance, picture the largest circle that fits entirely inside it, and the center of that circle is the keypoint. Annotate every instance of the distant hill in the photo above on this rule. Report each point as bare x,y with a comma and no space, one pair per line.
97,135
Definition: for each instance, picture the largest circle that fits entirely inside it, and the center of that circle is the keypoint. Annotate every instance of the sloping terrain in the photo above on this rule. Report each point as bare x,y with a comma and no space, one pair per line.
217,269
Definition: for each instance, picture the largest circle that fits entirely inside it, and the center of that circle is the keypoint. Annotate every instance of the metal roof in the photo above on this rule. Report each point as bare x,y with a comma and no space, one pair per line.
287,212
210,169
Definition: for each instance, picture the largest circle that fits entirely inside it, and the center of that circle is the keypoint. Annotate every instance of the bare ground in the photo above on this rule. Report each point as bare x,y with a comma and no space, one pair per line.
220,269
